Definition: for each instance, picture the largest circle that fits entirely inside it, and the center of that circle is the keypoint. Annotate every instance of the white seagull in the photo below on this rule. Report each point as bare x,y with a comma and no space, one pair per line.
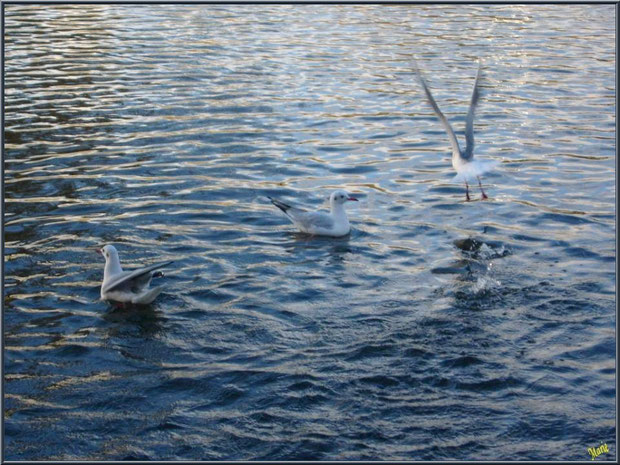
334,224
127,286
463,162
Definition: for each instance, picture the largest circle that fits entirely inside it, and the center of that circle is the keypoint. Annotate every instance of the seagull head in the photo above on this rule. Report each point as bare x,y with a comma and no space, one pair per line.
108,251
340,197
112,263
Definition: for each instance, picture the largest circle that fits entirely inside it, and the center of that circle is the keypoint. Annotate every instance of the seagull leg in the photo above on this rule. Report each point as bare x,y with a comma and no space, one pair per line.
467,191
484,196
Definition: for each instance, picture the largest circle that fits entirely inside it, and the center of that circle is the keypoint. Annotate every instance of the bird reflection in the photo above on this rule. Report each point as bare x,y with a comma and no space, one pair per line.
147,319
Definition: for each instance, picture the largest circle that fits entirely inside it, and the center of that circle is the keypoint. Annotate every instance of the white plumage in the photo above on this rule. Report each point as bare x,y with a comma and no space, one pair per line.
334,224
127,286
463,161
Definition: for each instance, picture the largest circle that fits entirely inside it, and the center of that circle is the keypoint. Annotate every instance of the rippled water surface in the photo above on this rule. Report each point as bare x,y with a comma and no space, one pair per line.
439,329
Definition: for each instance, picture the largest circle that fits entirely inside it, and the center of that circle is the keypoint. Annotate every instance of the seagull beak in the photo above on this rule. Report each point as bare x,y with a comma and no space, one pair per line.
352,199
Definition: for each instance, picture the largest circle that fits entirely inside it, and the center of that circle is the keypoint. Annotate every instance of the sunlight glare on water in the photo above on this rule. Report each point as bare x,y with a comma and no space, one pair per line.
438,329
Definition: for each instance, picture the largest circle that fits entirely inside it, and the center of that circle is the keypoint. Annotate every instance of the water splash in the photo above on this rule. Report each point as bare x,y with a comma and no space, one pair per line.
486,282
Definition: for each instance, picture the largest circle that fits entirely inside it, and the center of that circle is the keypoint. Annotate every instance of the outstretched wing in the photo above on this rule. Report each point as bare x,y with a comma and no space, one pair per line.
442,118
133,279
469,122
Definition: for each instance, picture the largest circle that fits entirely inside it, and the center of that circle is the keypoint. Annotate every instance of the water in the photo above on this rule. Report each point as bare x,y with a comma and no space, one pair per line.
439,329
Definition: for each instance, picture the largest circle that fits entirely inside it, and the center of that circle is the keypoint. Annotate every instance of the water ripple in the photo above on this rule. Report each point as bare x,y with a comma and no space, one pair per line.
439,329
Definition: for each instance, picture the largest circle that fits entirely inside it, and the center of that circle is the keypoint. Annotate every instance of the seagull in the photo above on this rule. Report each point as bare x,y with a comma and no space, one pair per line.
334,224
128,286
463,162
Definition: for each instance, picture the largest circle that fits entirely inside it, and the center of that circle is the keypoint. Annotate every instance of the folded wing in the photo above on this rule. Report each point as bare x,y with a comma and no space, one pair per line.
312,220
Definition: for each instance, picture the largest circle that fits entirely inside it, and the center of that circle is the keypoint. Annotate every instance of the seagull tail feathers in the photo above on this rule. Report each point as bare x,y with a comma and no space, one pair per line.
281,205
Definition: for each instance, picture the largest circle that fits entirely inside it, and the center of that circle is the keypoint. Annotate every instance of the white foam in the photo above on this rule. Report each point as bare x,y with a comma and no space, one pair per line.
485,283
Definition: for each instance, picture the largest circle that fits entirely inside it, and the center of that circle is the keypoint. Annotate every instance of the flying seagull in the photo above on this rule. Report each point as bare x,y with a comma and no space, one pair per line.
463,161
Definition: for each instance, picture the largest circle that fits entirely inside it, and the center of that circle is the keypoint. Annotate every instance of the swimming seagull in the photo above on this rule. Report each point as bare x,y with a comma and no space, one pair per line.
128,286
334,224
463,162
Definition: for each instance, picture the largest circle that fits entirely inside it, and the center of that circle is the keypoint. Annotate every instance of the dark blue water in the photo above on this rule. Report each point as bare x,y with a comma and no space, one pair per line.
439,329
